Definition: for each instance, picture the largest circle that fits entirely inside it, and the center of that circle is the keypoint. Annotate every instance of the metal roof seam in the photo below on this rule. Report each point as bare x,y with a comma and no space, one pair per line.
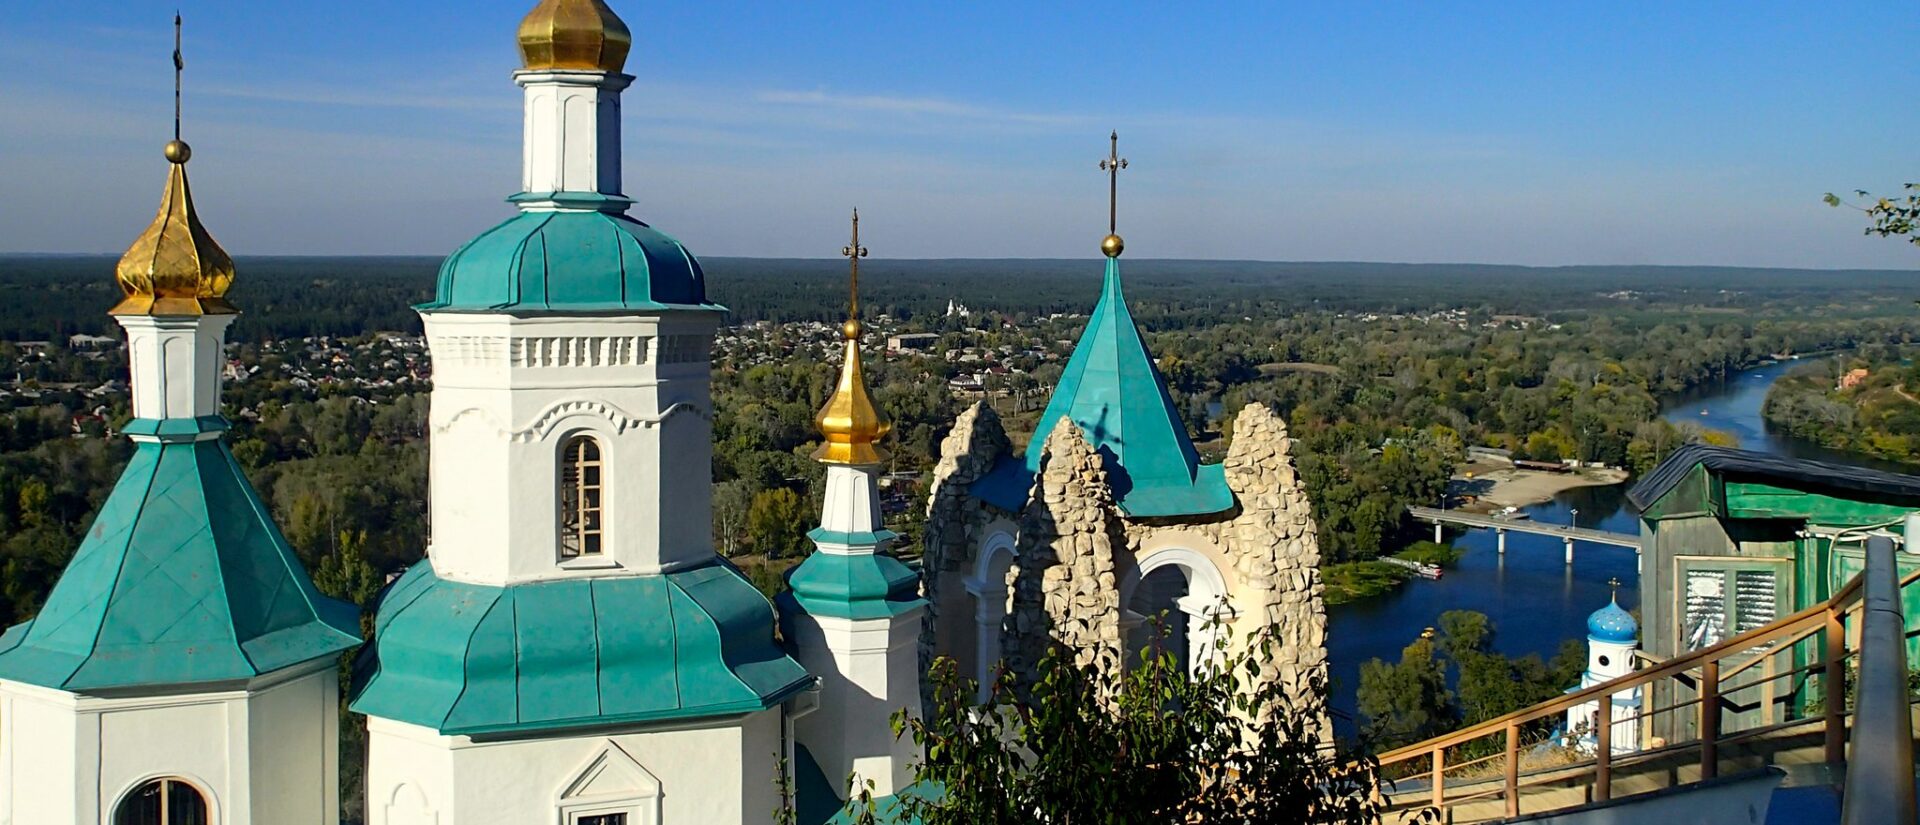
118,571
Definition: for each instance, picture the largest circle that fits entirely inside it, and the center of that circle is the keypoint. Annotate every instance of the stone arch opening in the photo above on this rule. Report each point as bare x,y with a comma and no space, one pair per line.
1175,599
988,585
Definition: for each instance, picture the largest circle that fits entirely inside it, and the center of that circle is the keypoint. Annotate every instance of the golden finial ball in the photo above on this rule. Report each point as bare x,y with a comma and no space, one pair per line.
851,329
1112,245
178,151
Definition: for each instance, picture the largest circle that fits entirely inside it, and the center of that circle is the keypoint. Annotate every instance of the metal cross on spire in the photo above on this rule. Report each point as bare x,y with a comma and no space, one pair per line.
1112,164
854,252
179,65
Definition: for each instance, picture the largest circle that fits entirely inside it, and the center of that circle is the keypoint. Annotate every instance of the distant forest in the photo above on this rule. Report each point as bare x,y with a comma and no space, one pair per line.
49,296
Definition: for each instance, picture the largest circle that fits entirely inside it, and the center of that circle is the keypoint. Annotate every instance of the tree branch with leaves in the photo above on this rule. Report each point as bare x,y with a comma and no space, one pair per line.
1890,216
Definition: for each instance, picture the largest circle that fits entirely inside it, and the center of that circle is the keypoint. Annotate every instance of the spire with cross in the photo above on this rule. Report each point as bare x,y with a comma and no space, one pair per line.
1112,164
853,252
179,65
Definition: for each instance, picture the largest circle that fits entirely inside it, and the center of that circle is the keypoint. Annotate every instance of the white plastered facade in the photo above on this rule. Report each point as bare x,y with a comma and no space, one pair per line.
571,131
510,392
868,670
263,752
868,667
716,771
175,363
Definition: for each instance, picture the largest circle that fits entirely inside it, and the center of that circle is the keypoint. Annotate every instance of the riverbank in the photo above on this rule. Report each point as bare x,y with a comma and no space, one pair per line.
1355,580
1486,486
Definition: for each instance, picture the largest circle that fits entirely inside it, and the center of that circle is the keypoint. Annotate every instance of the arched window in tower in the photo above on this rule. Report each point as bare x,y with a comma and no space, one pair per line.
162,802
580,497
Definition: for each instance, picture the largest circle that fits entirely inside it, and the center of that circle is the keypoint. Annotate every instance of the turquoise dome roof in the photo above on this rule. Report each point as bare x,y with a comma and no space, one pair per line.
473,659
1612,624
570,261
853,586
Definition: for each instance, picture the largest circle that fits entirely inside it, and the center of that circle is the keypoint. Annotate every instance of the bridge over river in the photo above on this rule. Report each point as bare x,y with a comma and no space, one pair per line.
1502,524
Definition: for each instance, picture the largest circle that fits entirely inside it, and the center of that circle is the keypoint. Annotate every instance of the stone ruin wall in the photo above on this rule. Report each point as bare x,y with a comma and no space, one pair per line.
1063,585
1071,533
955,521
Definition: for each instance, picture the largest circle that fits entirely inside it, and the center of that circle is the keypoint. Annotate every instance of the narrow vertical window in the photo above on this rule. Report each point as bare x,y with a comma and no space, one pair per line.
580,498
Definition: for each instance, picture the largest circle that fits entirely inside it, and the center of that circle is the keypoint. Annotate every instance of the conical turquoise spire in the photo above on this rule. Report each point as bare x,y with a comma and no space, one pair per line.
1112,390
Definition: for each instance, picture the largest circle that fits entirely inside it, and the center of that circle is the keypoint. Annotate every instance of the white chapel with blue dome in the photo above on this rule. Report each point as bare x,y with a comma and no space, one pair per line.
1613,637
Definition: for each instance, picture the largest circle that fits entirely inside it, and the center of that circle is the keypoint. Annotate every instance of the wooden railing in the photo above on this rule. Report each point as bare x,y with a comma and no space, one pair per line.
1788,702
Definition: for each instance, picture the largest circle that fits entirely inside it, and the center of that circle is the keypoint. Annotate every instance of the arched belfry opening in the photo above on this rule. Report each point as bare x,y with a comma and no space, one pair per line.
582,498
166,801
1176,601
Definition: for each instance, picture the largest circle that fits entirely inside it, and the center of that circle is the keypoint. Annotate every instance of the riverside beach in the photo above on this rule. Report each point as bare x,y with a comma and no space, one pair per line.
1486,486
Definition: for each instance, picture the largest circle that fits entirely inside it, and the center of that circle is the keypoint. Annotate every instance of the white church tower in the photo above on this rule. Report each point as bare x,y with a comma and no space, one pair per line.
854,612
572,651
183,669
1612,637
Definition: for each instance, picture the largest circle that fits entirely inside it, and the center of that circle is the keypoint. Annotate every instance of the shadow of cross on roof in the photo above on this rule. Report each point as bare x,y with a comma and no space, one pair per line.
1108,444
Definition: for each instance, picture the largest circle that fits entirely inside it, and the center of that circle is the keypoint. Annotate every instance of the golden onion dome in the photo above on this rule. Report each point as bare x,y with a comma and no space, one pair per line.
850,422
574,34
175,267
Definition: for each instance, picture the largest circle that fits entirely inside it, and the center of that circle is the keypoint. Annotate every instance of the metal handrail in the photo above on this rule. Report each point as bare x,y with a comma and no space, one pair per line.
1880,789
1828,620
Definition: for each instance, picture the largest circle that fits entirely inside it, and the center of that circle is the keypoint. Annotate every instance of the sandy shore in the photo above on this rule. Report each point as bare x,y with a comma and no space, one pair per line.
1500,486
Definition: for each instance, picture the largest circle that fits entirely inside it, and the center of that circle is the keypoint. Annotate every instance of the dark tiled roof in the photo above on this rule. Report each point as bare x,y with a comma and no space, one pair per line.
1798,473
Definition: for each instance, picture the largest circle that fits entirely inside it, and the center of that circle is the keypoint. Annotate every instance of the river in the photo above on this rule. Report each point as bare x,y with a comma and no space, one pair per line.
1534,599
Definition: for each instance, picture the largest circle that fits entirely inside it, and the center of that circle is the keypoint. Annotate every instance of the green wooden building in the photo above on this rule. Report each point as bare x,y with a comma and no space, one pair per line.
1732,540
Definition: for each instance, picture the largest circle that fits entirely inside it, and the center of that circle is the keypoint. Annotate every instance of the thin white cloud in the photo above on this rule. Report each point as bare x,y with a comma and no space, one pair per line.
909,105
378,99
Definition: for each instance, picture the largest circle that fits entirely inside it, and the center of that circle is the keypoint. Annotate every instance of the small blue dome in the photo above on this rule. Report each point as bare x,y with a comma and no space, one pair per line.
1612,624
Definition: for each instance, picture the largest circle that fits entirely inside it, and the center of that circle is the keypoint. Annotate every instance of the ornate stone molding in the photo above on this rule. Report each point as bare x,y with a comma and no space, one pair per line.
542,425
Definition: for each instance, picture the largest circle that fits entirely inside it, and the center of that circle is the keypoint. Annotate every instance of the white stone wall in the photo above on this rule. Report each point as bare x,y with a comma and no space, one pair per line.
720,774
261,754
572,131
174,363
868,671
510,391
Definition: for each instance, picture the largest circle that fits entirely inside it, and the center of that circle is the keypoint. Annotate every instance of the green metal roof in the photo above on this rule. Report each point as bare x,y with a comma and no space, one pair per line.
1745,484
570,261
182,579
853,586
1112,390
473,659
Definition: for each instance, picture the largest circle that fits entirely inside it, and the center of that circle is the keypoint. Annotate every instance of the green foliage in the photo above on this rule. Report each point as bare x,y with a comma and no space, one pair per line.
1876,414
1355,580
1889,216
777,524
1409,701
1100,742
1427,552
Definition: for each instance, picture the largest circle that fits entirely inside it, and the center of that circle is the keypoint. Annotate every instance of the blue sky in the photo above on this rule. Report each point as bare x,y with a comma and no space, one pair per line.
1617,133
